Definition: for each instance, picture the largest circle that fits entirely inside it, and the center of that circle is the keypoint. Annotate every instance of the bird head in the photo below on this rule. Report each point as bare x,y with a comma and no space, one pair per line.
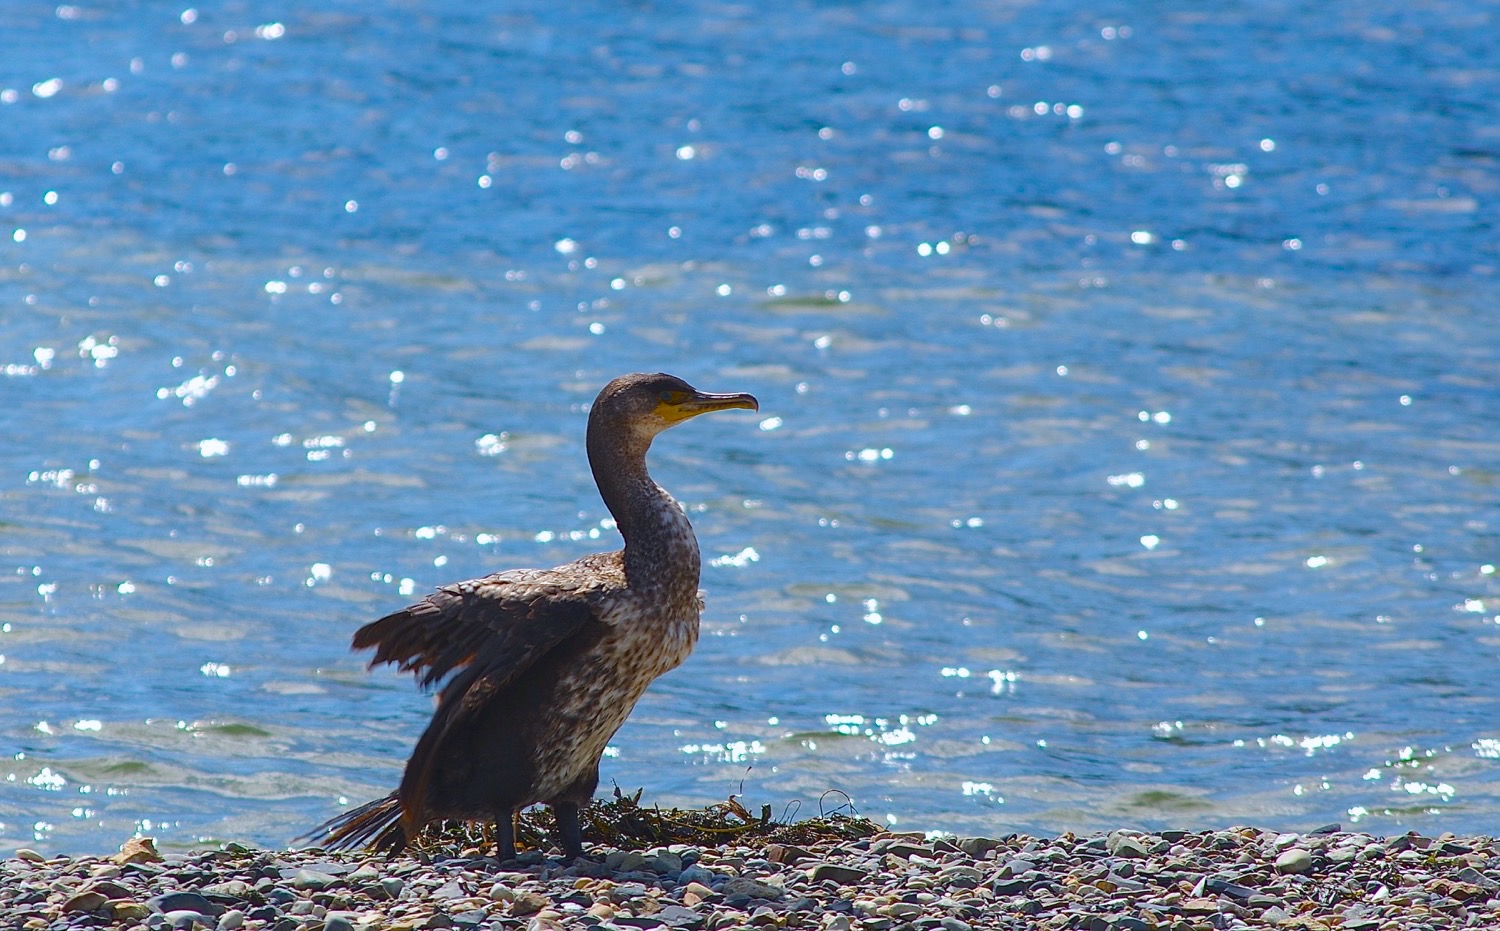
645,405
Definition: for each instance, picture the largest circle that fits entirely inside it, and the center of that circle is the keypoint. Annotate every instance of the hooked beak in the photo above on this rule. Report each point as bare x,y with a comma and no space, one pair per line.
702,402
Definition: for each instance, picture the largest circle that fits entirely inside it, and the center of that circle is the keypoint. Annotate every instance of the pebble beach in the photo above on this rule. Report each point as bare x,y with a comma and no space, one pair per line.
1223,879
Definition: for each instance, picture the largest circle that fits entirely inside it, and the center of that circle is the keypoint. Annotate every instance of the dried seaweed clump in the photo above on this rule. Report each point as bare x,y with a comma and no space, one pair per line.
623,822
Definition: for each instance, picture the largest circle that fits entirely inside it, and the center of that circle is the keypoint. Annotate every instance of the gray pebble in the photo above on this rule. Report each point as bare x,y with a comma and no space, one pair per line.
313,879
843,875
741,885
963,877
1014,868
184,902
900,910
1470,875
977,847
678,916
365,874
621,861
339,921
236,889
697,874
1294,860
1224,887
627,891
1125,846
1238,878
184,920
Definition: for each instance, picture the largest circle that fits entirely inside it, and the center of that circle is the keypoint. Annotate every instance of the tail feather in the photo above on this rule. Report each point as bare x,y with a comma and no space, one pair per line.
374,824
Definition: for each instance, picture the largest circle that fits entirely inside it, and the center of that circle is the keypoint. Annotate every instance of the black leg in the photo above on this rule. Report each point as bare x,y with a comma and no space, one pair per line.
505,837
568,829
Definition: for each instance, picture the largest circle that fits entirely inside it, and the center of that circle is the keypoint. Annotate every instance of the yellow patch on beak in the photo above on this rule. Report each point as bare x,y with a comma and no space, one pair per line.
677,406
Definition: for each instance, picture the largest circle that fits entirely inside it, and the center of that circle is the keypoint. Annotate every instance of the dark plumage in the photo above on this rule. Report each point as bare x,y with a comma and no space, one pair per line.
542,666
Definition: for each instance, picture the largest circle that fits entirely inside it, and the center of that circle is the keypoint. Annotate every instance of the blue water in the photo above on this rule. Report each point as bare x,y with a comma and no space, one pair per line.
1128,376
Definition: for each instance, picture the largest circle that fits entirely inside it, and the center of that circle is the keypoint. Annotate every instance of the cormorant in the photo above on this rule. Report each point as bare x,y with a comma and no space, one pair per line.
544,665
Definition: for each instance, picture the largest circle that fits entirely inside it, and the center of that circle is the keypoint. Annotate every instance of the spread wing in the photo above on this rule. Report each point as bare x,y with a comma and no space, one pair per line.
480,635
495,627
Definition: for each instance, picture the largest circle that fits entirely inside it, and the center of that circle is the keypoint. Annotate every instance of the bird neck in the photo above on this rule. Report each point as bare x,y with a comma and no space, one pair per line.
660,548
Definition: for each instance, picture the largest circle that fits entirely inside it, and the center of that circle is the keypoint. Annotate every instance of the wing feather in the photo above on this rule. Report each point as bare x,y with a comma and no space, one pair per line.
501,623
479,636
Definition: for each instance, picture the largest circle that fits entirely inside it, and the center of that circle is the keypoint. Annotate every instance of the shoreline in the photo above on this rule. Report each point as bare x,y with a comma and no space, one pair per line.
1122,881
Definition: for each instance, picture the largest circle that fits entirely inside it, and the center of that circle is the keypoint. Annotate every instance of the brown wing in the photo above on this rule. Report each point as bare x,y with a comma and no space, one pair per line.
497,626
479,636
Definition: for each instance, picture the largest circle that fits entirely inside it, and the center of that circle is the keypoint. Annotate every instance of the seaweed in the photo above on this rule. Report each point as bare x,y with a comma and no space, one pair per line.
622,822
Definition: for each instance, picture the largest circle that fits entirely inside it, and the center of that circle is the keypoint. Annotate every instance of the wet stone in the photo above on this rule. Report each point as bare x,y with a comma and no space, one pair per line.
843,875
184,902
1224,887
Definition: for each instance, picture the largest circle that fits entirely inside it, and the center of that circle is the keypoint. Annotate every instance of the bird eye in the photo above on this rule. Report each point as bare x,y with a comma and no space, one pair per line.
669,397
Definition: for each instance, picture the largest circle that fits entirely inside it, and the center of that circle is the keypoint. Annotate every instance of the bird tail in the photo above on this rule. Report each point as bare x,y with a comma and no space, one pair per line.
374,824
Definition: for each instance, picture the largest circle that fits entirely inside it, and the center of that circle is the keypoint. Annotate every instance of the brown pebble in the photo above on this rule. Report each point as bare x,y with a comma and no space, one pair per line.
86,901
109,889
128,910
527,903
787,853
137,850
